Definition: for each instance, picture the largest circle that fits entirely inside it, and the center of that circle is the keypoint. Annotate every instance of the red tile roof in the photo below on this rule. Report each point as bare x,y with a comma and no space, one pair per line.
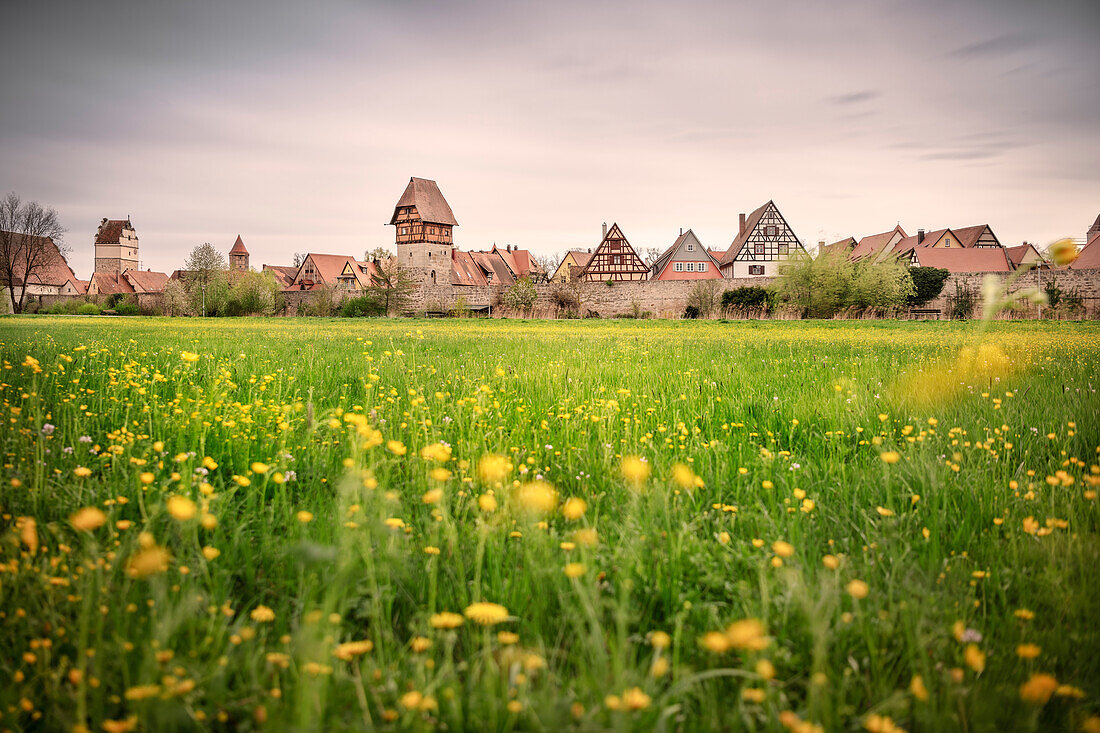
284,275
873,244
146,281
108,283
1089,256
844,246
430,205
968,236
465,270
909,243
329,269
52,270
110,230
1017,254
971,259
238,247
493,263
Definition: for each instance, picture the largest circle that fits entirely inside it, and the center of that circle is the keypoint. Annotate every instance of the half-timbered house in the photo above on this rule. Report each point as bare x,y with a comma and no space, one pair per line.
340,272
615,260
423,221
764,240
575,261
686,259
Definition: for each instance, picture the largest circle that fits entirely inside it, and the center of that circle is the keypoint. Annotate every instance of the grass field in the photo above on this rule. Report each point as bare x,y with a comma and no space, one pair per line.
468,525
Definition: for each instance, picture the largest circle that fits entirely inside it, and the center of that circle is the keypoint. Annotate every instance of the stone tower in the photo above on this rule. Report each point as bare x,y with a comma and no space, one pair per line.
424,220
238,256
116,247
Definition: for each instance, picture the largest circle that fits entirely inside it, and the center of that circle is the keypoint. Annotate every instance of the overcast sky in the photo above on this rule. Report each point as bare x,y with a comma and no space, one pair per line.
297,125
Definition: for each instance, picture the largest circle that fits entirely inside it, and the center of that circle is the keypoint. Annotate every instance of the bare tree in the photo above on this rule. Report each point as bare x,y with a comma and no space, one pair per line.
203,262
378,254
650,255
29,236
392,285
549,264
299,258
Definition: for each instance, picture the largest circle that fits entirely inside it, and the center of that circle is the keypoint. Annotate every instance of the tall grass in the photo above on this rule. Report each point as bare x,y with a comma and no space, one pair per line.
286,488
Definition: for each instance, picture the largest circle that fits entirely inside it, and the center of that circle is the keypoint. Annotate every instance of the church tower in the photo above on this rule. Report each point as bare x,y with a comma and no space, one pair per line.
238,256
424,220
116,247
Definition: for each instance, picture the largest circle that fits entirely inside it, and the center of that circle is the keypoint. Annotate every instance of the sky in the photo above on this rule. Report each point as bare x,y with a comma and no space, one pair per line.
298,124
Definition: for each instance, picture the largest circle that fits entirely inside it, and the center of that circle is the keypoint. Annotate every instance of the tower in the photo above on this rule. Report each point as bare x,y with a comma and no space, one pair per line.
238,256
116,247
424,220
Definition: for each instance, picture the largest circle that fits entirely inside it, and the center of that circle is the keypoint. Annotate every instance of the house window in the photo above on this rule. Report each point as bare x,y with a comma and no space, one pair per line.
771,230
700,266
758,248
691,248
947,242
404,230
691,267
617,259
679,267
784,249
756,269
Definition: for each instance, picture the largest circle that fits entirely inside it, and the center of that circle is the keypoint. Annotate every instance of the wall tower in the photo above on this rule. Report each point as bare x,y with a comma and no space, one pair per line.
423,220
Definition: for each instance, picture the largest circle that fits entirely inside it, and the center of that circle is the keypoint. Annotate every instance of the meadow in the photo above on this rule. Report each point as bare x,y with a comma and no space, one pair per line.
309,524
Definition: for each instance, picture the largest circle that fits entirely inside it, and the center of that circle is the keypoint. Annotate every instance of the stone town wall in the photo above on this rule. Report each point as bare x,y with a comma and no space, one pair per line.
657,299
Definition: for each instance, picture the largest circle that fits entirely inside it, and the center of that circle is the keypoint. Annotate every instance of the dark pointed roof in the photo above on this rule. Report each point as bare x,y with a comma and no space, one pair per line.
428,200
238,247
110,230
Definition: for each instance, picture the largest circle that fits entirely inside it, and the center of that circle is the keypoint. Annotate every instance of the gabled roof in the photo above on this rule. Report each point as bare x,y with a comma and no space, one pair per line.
519,261
108,283
909,243
284,275
739,241
873,244
330,268
430,205
492,263
238,247
615,234
146,281
52,269
964,259
842,246
580,256
465,271
968,236
1017,254
1089,256
110,230
669,254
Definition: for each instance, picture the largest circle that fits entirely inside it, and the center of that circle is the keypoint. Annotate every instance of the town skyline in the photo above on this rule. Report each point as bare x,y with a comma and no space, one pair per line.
293,128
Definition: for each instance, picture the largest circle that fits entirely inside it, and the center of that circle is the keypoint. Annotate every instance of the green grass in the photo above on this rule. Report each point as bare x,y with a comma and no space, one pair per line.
768,416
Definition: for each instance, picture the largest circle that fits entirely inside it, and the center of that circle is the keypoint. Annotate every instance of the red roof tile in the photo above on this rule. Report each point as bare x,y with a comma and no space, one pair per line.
1017,254
465,270
108,283
146,281
53,269
430,205
873,244
970,259
1089,256
110,230
284,275
238,247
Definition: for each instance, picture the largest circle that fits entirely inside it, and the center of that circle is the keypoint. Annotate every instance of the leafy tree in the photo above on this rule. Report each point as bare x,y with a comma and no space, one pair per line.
520,297
177,301
824,286
252,293
29,243
203,263
703,298
378,254
392,285
928,283
209,298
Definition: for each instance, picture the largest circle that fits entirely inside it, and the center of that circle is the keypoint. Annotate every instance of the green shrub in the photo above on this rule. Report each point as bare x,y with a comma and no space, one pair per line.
362,306
127,308
751,296
928,283
88,309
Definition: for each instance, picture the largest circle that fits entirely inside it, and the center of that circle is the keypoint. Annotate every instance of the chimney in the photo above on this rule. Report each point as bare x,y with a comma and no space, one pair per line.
821,244
604,232
681,231
920,236
741,229
589,250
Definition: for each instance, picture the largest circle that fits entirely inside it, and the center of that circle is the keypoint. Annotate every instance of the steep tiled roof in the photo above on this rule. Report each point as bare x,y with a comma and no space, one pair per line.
329,268
909,243
1089,257
238,247
428,200
873,244
284,275
739,241
108,283
110,231
519,261
493,263
968,236
1017,254
146,281
969,259
465,270
845,246
689,236
52,268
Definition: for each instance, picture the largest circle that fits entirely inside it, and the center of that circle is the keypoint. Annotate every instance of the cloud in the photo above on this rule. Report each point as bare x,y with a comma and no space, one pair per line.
859,97
995,46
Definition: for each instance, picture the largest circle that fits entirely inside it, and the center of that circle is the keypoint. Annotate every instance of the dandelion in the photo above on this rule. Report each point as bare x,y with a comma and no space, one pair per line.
575,570
507,638
683,476
1038,689
88,519
181,508
660,640
749,634
396,447
890,456
262,615
917,688
432,496
487,503
147,478
975,658
189,356
536,497
304,517
445,620
1028,651
635,699
493,468
351,649
783,549
486,614
211,553
420,644
258,467
857,589
884,512
574,508
148,561
832,562
635,470
82,472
